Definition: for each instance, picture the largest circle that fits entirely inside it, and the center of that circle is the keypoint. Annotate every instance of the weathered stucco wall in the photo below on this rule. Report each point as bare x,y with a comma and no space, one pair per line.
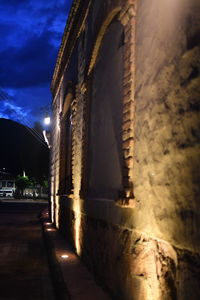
55,161
127,262
150,251
167,125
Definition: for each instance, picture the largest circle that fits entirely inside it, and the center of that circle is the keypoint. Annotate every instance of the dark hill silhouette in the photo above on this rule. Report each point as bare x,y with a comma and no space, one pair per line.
20,150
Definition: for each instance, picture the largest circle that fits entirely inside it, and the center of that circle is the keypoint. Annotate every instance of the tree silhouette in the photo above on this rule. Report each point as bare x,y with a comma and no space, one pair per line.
22,182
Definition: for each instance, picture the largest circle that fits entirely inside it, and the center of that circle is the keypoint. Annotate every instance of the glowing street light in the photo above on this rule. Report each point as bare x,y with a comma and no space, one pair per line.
47,120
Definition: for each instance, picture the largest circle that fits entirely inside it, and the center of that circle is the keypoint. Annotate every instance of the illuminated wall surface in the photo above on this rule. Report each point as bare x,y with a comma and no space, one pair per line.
131,205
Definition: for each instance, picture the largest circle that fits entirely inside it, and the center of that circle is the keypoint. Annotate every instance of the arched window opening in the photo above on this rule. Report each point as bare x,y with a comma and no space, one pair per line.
105,155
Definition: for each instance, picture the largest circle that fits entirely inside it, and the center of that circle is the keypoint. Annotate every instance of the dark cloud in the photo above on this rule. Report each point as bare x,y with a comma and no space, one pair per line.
30,65
14,112
31,32
5,28
5,96
27,104
16,3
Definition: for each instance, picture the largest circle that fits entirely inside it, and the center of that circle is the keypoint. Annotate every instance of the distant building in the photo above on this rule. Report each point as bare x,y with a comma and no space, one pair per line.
36,191
7,185
125,145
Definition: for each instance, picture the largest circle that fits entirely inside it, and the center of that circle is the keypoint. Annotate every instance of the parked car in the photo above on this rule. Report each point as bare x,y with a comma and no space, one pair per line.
7,193
2,194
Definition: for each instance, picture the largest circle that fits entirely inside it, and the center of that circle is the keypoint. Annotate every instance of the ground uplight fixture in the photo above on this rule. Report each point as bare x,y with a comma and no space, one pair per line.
64,256
51,229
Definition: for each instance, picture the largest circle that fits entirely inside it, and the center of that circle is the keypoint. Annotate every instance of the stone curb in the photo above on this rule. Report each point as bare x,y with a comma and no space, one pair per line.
70,277
13,200
60,290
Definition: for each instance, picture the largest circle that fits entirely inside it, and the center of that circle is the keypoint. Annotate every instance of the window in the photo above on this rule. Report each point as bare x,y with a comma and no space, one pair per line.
3,183
68,153
66,149
105,157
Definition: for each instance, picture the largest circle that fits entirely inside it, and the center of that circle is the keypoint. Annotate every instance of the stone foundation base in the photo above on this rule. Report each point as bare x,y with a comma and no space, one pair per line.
132,265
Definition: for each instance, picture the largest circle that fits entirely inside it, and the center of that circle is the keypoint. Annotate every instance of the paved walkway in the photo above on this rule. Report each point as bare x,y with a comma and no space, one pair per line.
36,263
72,279
24,271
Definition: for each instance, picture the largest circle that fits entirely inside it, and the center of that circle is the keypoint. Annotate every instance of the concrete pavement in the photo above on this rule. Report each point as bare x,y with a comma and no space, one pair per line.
24,270
25,200
72,280
36,263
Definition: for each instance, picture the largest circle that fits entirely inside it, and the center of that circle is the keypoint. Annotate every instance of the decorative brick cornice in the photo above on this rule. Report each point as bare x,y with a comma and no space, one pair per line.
73,29
128,11
127,18
65,38
100,36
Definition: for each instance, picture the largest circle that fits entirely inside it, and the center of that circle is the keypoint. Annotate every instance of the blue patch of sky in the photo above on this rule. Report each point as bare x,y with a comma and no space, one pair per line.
31,32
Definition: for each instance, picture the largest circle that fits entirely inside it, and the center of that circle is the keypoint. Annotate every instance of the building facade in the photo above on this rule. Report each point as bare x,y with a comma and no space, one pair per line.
125,145
7,185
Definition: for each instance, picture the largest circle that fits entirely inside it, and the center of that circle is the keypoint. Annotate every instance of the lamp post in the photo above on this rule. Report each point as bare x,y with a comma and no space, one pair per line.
46,133
47,120
47,138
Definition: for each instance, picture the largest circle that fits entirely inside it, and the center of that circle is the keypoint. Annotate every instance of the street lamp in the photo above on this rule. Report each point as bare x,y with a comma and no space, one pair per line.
46,133
47,120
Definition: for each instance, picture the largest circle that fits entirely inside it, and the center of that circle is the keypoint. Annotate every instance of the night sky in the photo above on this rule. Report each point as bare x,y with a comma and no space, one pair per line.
31,32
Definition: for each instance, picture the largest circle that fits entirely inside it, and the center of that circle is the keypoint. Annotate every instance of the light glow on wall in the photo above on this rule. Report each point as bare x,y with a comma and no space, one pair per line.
77,171
77,224
52,209
57,208
77,205
52,200
57,204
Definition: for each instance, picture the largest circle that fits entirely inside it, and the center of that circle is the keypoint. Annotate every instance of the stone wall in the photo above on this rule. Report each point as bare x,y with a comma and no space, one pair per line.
167,122
144,245
129,263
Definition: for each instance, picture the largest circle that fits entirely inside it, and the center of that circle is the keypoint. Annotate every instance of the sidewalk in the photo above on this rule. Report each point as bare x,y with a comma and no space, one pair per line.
71,278
24,267
13,200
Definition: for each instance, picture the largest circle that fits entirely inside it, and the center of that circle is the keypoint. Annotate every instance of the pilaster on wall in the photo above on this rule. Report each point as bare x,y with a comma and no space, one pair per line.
127,18
74,121
78,126
55,163
62,156
85,144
